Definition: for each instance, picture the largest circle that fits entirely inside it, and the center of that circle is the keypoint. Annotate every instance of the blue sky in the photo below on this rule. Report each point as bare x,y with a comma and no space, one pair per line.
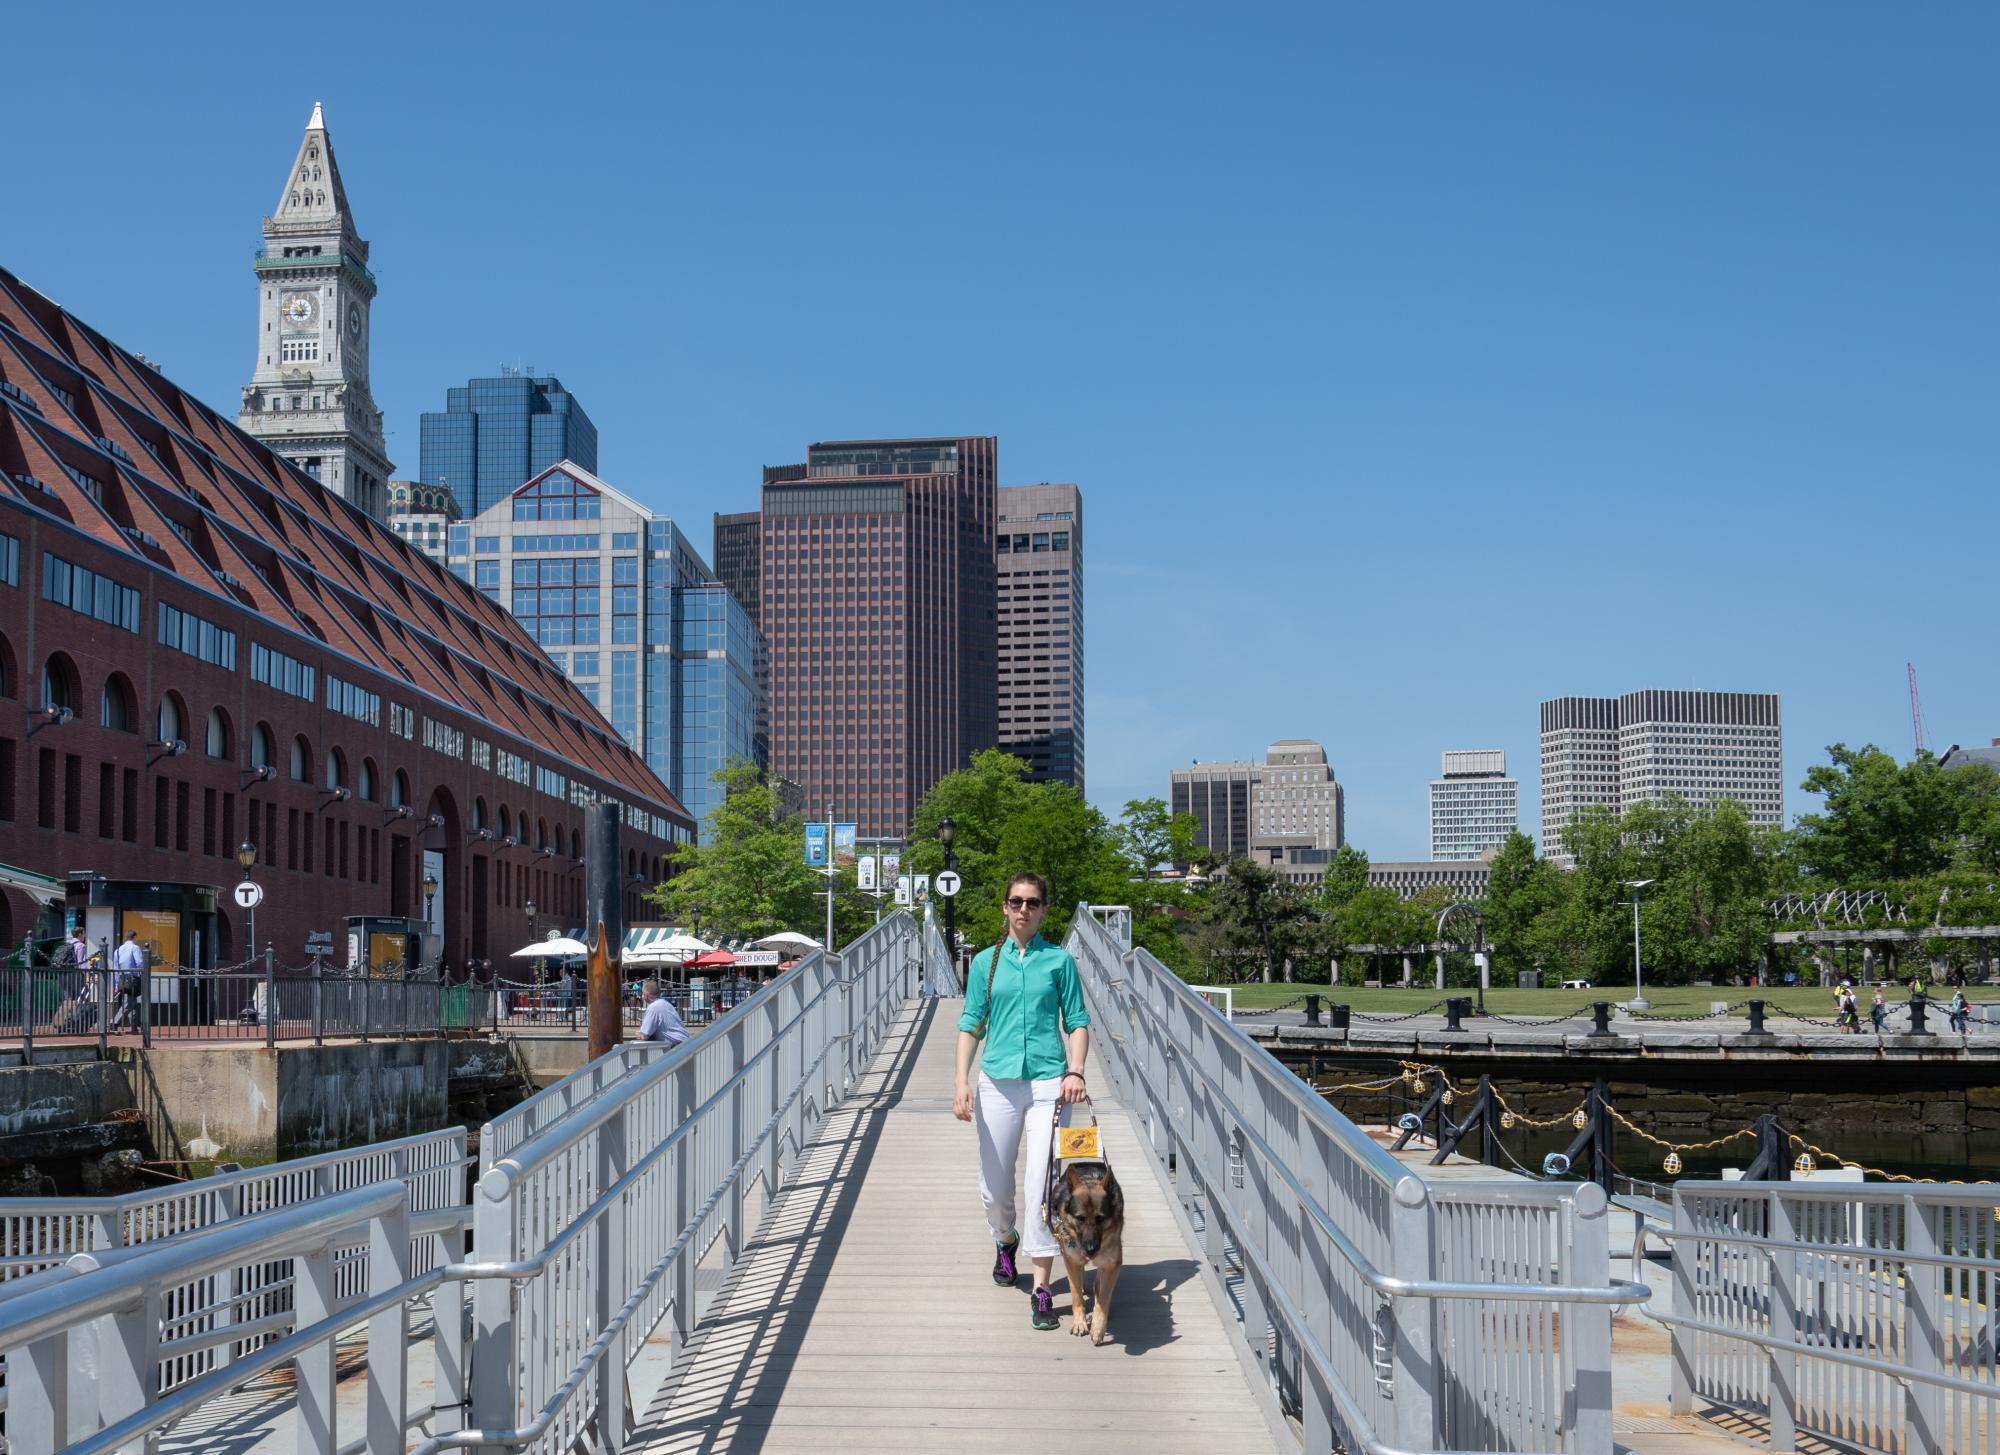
1417,363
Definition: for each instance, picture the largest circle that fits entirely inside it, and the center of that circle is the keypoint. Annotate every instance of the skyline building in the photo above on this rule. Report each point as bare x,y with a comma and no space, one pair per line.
215,649
422,514
627,609
739,565
1039,582
1474,805
1288,812
495,434
877,598
308,398
1620,751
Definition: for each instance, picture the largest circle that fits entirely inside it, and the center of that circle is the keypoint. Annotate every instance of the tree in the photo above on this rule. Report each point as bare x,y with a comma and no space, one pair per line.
1005,825
1519,889
1882,820
1254,917
751,878
1149,836
1346,876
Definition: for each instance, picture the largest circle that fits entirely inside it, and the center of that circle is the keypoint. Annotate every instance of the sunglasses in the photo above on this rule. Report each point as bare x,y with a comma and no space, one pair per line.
1014,901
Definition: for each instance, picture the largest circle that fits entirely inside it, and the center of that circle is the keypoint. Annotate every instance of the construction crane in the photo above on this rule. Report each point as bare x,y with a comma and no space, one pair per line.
1916,708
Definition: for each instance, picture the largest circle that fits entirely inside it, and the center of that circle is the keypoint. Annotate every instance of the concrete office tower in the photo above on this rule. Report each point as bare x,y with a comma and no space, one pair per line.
1039,555
421,514
627,609
1620,751
496,433
877,602
1287,812
1474,805
309,399
1218,796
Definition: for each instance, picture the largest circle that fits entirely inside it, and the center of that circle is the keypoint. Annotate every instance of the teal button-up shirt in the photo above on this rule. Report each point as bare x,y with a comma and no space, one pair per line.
1024,1040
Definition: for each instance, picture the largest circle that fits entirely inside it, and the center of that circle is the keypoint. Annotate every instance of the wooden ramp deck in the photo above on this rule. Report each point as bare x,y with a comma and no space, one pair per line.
862,1315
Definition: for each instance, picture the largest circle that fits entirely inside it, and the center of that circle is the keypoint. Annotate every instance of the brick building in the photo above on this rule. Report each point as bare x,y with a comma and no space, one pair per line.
877,603
200,645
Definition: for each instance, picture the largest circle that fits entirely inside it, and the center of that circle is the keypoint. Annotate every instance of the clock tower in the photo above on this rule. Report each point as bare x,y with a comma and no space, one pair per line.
309,399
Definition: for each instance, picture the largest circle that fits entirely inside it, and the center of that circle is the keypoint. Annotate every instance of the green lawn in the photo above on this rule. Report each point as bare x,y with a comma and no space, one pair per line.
1685,999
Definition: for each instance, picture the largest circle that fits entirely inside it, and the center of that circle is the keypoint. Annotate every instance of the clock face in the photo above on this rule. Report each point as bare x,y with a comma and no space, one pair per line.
300,309
354,320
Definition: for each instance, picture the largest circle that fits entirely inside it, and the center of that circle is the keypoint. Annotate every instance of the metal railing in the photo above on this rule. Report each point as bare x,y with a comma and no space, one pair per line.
541,1004
587,1232
41,1236
1389,1314
251,1001
113,1348
552,1103
1863,1313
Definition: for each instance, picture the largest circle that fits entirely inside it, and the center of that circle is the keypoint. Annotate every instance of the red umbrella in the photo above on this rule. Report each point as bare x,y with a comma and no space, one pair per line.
711,960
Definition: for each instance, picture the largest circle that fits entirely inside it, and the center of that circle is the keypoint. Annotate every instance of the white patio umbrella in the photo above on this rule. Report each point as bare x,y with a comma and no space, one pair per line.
672,950
788,940
560,948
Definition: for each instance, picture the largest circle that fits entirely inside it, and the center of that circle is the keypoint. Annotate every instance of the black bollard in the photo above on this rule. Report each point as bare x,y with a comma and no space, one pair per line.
1336,1016
1756,1018
1312,1010
1600,1015
1455,1009
1918,1005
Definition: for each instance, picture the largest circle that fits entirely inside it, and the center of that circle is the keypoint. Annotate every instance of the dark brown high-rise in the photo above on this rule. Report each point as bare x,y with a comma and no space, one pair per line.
878,608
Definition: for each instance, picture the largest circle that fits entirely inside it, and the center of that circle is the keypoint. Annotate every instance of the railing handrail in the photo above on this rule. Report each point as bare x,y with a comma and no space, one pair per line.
1315,1108
1988,1192
223,1181
500,1178
503,1127
277,1234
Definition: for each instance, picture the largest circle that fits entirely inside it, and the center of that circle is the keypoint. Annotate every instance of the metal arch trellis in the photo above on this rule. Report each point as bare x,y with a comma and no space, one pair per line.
1844,906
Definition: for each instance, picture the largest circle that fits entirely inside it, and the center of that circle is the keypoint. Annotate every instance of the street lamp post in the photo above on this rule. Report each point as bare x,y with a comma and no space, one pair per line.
430,896
947,832
534,937
246,855
1639,1001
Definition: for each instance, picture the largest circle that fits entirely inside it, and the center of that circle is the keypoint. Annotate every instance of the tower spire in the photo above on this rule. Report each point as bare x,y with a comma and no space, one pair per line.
313,191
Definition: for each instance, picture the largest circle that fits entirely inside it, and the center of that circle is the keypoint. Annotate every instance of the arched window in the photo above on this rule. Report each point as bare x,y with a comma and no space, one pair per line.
218,733
399,790
541,833
301,761
336,769
118,711
9,687
367,786
260,746
506,822
575,844
479,813
172,719
59,682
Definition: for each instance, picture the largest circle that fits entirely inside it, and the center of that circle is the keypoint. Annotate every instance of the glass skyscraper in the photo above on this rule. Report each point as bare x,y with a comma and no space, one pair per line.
496,433
626,609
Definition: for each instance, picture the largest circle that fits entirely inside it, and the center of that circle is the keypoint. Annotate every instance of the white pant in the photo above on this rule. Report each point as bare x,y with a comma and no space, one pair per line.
1005,1109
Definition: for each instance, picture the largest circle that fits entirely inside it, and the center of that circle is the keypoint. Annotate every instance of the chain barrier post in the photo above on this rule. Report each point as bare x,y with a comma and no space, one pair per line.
1454,1012
1918,1005
1756,1019
1600,1016
1337,1016
1312,1010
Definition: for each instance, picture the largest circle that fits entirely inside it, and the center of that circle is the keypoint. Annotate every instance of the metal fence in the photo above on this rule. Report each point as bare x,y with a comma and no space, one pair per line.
250,1001
40,1236
541,1004
1862,1313
1388,1314
587,1233
113,1348
552,1103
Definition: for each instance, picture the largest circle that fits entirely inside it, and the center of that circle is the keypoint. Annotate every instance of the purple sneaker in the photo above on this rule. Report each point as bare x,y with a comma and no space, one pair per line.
1042,1310
1004,1271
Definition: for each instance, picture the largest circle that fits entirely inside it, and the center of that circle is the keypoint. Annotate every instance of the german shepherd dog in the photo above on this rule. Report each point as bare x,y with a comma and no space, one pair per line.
1087,1216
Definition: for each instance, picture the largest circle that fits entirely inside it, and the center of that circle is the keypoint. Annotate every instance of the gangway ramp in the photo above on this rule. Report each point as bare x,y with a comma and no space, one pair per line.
862,1315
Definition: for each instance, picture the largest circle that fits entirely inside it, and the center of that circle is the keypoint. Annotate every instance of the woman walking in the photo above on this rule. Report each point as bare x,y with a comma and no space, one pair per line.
1024,1001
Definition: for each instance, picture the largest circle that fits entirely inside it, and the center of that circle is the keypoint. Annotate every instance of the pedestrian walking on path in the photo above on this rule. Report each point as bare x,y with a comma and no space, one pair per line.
1960,1012
1878,1011
129,960
1850,1016
1024,1002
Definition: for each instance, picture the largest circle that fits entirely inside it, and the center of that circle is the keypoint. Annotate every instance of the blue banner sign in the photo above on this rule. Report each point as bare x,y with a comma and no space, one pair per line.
816,845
